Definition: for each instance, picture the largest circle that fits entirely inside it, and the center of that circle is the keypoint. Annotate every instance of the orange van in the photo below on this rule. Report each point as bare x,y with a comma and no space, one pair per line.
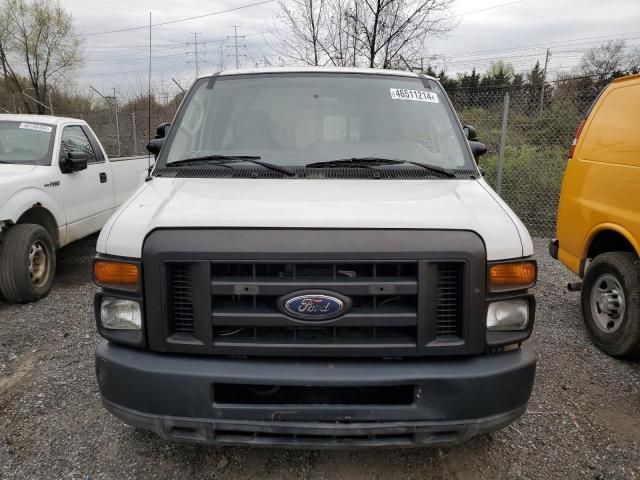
598,226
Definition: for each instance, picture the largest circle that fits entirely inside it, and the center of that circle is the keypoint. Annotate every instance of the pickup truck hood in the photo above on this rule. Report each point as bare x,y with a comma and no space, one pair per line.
428,204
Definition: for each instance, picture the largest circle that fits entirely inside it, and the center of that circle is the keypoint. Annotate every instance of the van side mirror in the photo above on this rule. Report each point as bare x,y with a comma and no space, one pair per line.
155,145
478,149
470,133
74,162
163,130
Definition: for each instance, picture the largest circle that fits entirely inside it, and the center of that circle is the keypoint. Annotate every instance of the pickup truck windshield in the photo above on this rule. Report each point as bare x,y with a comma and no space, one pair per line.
26,143
291,119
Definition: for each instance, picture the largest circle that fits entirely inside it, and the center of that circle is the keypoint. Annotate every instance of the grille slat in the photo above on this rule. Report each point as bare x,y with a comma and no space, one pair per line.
275,286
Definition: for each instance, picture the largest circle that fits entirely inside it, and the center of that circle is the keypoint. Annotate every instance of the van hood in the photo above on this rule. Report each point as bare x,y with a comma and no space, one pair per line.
429,204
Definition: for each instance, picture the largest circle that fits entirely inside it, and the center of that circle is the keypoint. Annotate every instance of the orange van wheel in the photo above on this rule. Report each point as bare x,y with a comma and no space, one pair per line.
611,303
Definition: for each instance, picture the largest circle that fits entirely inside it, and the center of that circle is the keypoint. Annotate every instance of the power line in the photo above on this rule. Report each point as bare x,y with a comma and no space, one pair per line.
489,8
548,44
170,22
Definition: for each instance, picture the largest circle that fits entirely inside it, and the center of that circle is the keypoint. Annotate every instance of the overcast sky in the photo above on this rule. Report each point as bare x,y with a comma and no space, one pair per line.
517,31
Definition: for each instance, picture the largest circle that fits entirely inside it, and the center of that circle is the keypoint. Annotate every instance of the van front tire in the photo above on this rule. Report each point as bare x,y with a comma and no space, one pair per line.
27,263
611,303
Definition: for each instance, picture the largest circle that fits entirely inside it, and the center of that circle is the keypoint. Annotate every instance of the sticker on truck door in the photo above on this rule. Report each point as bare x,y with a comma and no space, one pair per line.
413,95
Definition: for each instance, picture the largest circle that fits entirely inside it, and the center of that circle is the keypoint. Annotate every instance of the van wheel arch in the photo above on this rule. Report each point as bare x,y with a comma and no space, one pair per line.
609,241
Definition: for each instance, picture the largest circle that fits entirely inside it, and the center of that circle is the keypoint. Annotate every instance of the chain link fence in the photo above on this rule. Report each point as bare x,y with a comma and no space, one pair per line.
126,134
527,131
528,138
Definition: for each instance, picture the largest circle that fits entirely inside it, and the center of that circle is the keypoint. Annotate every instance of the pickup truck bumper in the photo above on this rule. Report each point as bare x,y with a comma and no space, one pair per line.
191,398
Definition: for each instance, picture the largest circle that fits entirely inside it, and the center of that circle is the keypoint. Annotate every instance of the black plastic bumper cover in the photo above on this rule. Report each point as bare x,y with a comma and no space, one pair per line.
455,399
554,246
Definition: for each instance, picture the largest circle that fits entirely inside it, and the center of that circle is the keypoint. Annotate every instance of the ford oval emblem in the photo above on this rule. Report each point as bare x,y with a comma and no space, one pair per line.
315,306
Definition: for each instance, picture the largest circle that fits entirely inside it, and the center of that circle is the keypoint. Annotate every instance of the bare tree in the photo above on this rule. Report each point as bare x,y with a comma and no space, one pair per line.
303,22
611,59
372,33
37,43
392,29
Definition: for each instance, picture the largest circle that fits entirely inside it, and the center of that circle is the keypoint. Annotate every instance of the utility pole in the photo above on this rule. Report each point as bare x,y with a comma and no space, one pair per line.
115,101
544,78
195,53
236,46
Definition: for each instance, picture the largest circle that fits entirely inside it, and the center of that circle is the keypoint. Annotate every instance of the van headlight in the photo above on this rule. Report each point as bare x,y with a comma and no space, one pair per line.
508,315
120,314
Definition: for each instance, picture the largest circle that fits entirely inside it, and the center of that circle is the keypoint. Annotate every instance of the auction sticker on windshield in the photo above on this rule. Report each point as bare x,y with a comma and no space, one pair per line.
35,126
413,95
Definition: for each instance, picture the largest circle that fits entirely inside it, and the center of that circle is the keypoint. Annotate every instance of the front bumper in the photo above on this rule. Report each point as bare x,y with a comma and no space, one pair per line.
454,400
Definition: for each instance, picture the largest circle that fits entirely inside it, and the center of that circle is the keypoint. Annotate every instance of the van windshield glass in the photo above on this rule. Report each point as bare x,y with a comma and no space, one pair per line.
26,142
299,119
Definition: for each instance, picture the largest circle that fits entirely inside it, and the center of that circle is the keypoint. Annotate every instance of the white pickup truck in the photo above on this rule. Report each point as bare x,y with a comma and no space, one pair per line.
57,185
316,262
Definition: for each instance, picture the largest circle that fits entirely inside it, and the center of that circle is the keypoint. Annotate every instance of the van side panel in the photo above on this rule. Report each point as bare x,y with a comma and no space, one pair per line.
601,184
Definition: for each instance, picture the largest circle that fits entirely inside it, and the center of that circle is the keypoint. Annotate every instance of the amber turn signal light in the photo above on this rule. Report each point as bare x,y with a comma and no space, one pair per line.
110,273
512,276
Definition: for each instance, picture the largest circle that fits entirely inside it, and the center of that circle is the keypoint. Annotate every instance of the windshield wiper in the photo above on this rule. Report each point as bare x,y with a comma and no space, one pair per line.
370,162
227,159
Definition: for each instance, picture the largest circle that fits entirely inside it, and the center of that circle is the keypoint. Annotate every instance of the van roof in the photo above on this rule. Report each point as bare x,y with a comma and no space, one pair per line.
362,71
635,76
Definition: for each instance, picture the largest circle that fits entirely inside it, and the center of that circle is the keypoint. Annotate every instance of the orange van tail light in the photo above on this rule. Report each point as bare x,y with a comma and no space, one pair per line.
576,138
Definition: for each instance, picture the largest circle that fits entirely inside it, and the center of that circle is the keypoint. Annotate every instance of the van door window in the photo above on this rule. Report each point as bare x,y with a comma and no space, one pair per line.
614,133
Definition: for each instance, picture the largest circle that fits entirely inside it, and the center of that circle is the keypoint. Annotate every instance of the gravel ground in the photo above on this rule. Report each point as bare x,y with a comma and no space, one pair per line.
583,420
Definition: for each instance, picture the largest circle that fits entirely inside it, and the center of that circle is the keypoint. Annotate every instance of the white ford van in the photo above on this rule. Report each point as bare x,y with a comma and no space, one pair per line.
316,262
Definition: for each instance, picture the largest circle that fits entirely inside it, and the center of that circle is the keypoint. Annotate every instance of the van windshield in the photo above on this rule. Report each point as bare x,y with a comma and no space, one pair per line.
26,142
290,119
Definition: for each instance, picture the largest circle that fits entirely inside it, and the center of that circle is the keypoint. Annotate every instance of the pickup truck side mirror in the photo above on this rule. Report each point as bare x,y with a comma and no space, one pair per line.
74,162
163,130
155,145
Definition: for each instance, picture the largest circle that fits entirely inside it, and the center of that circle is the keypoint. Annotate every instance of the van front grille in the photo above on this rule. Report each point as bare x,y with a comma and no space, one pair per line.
384,318
247,319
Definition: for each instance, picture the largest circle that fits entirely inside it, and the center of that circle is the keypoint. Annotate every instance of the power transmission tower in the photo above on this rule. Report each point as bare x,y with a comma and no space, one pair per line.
235,45
196,54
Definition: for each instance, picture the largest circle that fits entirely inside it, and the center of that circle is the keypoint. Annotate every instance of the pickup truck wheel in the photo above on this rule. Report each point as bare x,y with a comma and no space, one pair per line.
28,263
611,303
